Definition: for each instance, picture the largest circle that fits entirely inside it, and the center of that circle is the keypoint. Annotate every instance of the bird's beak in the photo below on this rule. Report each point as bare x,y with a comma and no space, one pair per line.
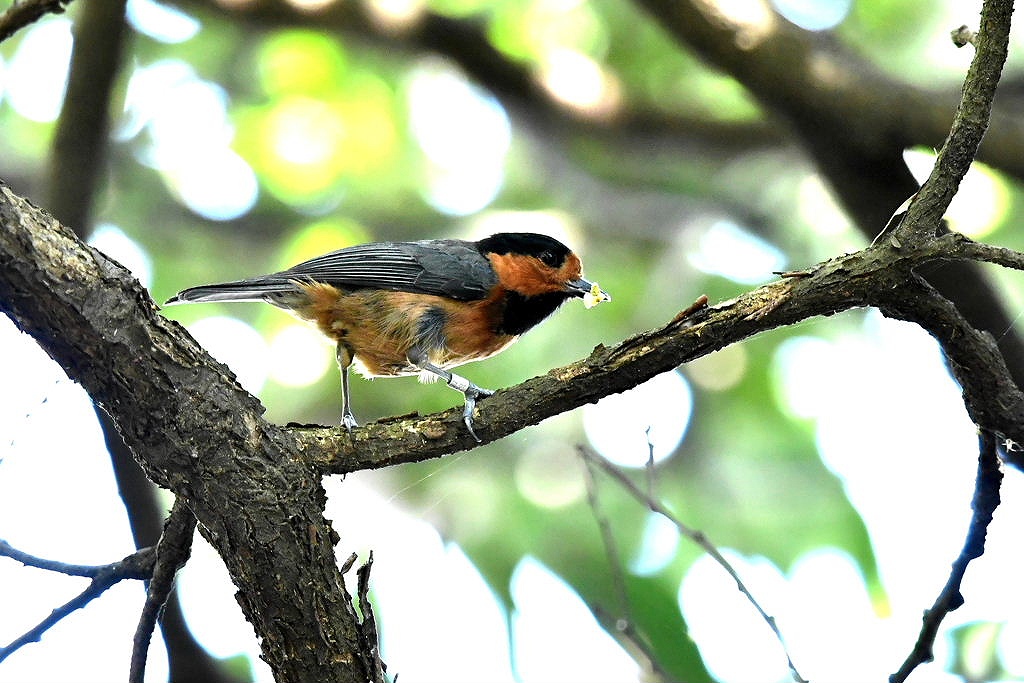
591,294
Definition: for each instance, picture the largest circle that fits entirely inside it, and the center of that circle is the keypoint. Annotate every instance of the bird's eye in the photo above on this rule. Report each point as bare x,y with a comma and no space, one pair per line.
549,258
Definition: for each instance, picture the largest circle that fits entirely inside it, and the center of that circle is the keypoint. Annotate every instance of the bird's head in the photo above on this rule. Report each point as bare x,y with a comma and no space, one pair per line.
533,265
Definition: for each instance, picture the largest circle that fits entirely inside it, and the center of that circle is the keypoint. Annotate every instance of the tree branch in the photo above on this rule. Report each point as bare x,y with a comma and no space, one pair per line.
138,565
698,538
172,552
872,277
255,487
196,432
969,124
983,506
21,14
87,570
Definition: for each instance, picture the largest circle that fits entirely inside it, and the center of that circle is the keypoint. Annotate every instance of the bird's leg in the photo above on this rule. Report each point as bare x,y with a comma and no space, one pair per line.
470,391
348,420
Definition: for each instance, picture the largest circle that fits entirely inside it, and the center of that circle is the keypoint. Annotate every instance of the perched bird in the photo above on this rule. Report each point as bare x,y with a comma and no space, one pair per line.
404,308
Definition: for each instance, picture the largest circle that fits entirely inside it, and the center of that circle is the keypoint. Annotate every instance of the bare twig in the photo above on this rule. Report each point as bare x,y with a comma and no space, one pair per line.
696,537
621,624
88,570
611,548
368,624
983,505
21,14
172,552
635,645
649,465
138,565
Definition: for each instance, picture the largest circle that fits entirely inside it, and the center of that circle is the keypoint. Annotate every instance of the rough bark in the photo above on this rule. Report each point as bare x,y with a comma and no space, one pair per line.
196,432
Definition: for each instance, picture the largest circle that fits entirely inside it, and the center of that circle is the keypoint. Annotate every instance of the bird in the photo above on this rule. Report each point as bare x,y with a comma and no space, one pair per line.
422,307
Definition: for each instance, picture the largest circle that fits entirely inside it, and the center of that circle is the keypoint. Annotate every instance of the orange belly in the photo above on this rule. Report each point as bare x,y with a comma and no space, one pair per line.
377,328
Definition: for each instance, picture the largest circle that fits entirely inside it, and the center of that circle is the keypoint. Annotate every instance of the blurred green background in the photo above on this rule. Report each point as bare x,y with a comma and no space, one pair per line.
832,461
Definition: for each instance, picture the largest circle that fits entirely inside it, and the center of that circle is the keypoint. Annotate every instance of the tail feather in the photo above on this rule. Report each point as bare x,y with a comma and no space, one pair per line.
242,290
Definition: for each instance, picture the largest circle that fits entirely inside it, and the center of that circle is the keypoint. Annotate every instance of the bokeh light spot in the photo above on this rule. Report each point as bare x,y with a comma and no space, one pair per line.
161,22
222,188
617,425
577,81
462,191
728,250
298,356
305,132
37,74
189,139
548,475
720,370
814,15
981,201
556,635
300,62
465,135
802,374
818,208
657,546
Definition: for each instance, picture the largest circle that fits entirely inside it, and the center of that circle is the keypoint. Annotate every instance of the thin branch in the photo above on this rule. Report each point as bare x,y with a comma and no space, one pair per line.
87,570
983,506
696,537
635,645
622,625
969,125
649,465
172,552
611,548
21,14
138,565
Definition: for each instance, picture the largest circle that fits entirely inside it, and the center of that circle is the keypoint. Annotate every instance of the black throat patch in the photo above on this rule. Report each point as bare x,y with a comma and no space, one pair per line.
523,312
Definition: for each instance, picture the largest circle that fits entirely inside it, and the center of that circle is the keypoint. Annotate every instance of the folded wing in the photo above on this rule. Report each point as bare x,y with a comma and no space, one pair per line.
450,268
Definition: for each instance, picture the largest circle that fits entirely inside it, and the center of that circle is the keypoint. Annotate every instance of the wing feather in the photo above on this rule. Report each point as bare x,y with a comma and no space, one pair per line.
450,268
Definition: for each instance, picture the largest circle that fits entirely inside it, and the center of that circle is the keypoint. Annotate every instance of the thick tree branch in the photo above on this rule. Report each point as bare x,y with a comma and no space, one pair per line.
255,487
196,432
76,171
873,277
201,435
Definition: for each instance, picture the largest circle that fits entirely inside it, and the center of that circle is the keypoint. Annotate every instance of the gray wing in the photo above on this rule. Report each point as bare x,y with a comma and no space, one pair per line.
451,268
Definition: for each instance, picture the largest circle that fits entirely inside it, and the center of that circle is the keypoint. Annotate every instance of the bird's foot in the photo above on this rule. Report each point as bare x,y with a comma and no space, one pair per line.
472,393
348,420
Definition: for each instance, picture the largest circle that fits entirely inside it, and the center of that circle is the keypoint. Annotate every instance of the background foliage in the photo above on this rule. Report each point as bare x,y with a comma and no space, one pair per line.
832,460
